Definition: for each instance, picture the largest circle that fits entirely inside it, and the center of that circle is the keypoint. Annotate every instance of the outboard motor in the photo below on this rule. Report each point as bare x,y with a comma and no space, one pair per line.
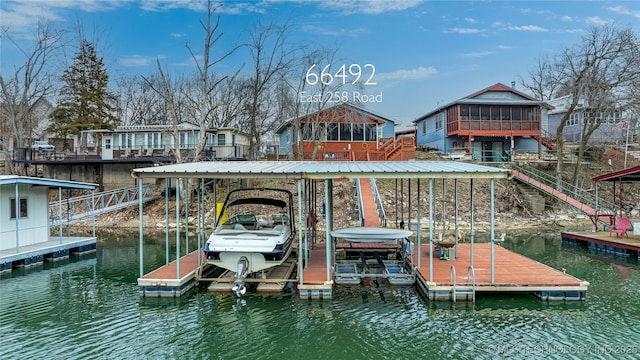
241,272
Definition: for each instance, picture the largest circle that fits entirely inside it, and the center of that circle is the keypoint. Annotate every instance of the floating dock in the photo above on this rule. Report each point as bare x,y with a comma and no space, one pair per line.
453,280
166,282
604,241
52,250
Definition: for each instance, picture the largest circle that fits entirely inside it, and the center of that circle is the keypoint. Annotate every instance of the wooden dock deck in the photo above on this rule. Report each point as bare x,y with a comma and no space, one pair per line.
603,241
165,282
512,273
56,248
314,283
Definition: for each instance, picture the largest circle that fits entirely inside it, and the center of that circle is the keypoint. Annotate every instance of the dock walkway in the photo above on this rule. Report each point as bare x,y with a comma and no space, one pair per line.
56,248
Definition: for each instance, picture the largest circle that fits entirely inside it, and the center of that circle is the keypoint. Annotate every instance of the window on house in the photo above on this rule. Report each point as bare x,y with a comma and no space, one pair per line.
505,113
475,112
484,112
515,113
439,120
358,132
370,132
345,132
464,112
495,113
332,132
23,210
222,139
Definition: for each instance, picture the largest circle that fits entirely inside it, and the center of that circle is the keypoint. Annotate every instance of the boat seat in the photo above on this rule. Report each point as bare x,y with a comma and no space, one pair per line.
278,227
239,227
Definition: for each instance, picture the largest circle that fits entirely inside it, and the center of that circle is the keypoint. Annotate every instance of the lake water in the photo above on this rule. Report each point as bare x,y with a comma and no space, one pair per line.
89,308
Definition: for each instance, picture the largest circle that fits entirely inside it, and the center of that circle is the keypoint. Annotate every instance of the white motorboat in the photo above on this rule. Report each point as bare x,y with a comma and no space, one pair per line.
254,232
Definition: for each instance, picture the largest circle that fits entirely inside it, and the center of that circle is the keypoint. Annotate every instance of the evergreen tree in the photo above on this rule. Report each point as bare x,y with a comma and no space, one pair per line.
85,103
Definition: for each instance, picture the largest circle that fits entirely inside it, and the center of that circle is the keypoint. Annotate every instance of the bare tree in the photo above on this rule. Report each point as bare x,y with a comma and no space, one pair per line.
272,59
203,98
139,104
600,72
26,89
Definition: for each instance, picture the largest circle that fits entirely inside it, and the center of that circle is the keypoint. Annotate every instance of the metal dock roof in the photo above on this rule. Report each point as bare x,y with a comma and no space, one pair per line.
52,183
323,170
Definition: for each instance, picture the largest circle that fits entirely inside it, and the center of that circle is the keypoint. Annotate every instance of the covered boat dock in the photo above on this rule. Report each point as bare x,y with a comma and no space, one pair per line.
315,264
625,242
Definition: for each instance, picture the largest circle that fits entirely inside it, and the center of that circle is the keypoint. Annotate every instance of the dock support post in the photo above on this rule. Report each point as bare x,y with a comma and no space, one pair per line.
60,211
471,230
492,232
327,211
166,218
300,250
140,228
455,204
419,215
178,228
93,212
430,230
17,210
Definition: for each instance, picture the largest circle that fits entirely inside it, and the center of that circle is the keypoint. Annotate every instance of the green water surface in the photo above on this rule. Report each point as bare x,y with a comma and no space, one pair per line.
89,308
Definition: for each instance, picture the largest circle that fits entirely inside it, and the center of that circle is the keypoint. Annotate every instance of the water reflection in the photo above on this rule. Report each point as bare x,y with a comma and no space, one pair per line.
90,308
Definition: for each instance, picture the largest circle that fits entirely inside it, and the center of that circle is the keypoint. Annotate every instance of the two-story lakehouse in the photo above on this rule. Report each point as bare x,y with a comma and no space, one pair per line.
343,132
492,124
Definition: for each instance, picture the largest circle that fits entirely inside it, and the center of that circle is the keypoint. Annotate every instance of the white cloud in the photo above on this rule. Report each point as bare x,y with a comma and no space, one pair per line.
463,31
370,6
596,20
624,11
471,20
478,53
178,35
525,11
566,18
532,28
504,47
420,72
135,60
330,31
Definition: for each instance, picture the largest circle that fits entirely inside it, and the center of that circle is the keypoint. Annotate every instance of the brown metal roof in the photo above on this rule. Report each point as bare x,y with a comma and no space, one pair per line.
628,174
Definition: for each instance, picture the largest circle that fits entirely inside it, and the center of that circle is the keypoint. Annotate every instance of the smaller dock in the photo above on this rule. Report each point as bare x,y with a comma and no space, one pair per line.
52,250
165,282
454,280
314,284
603,241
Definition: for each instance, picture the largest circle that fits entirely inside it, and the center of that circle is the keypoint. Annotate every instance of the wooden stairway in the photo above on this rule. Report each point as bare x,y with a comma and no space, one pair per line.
369,208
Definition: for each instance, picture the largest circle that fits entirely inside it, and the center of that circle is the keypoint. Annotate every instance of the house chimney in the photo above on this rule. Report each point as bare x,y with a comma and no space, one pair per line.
513,84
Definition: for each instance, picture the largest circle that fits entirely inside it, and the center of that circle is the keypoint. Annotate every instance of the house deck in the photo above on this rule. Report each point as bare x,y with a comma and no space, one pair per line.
56,248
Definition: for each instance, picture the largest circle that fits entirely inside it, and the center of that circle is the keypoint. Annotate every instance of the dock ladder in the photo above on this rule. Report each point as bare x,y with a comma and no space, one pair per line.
467,291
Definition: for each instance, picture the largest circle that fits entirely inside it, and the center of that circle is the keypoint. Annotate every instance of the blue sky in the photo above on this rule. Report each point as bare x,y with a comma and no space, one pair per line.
425,53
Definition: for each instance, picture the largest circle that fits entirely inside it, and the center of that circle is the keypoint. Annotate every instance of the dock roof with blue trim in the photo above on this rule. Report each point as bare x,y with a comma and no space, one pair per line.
51,183
324,170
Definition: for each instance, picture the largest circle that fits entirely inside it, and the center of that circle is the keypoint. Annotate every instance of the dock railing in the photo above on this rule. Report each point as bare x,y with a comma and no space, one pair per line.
376,196
575,192
359,204
84,207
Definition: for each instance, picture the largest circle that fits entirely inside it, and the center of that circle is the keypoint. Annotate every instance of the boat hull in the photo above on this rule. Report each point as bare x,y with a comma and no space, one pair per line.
257,260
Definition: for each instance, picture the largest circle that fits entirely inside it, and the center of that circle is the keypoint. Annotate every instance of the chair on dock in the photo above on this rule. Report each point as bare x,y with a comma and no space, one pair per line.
621,227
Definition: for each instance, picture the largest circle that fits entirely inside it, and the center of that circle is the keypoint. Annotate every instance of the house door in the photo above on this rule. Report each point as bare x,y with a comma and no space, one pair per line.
107,149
